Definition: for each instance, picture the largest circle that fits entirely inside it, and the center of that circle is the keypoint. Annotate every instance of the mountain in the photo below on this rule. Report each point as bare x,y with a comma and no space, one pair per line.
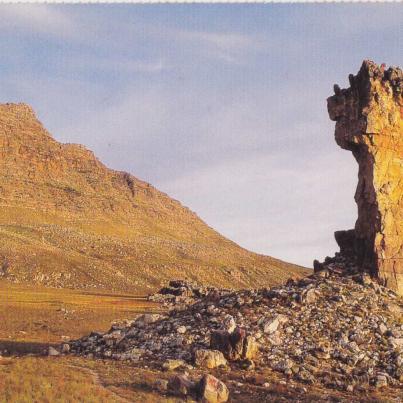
66,220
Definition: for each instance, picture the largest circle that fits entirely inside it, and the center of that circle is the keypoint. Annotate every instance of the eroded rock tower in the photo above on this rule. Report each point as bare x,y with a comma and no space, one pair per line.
369,122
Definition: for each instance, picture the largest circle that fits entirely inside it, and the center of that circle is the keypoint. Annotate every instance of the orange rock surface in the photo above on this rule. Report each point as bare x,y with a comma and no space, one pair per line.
369,122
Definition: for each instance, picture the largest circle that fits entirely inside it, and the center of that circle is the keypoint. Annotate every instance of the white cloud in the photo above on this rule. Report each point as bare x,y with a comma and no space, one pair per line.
36,18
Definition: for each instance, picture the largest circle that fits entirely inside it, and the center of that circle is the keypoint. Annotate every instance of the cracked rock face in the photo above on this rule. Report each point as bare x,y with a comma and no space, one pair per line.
369,122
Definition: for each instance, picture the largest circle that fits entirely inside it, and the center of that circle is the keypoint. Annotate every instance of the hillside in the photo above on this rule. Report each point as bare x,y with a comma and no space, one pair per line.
66,220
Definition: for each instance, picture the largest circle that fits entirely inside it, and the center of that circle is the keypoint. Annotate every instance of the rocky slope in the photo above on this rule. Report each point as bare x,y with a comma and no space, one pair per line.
68,221
335,330
369,122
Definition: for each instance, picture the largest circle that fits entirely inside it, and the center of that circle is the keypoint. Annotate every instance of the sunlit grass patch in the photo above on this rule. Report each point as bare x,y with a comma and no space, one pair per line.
48,380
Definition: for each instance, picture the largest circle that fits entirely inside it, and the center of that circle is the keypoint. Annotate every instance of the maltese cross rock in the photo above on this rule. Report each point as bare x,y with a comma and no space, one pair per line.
369,123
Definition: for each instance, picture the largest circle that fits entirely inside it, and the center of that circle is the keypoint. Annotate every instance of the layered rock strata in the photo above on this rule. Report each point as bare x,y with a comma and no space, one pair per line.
369,123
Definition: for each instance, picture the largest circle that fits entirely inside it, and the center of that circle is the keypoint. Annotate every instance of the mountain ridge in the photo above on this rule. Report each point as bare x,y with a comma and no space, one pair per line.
67,220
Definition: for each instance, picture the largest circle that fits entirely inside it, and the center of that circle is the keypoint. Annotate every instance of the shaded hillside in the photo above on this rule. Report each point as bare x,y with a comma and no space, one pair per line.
67,220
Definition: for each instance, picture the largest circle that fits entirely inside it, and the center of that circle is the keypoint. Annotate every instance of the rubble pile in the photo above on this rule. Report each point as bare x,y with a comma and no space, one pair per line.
181,292
336,328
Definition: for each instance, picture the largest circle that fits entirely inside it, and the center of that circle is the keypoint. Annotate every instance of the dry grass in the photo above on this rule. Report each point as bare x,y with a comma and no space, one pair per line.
73,379
32,320
96,253
47,380
37,314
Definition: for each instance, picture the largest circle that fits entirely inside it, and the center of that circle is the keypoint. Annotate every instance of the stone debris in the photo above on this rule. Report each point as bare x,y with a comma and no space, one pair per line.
170,365
336,328
181,385
182,293
208,389
237,345
52,352
161,385
65,348
212,390
209,359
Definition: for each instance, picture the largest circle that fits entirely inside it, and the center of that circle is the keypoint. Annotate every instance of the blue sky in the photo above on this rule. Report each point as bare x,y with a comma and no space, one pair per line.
221,106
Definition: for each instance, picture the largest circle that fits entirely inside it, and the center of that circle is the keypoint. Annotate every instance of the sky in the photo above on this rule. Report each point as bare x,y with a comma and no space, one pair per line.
223,107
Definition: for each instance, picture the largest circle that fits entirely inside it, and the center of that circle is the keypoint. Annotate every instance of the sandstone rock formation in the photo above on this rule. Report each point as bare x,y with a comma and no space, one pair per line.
369,122
66,220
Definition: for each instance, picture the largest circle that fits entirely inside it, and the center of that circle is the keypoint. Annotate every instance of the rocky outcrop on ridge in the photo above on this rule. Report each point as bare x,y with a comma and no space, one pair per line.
369,122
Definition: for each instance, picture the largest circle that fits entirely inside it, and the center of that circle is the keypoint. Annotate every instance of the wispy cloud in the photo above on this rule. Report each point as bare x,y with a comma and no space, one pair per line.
58,23
42,19
118,65
225,46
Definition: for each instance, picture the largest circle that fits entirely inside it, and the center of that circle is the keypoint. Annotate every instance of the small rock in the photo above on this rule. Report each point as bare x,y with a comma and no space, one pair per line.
234,346
250,348
212,390
382,328
65,348
283,365
380,381
229,324
180,385
161,385
170,365
309,297
53,352
181,329
248,365
396,343
147,318
209,359
272,325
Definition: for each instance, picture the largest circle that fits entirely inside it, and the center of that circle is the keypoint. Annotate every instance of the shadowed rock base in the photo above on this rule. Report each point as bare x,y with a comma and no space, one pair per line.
369,123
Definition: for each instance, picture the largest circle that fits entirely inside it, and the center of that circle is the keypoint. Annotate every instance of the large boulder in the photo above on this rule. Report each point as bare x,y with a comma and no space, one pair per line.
209,359
212,390
238,345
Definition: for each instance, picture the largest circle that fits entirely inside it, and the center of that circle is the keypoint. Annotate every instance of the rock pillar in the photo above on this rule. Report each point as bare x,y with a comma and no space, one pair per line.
369,123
